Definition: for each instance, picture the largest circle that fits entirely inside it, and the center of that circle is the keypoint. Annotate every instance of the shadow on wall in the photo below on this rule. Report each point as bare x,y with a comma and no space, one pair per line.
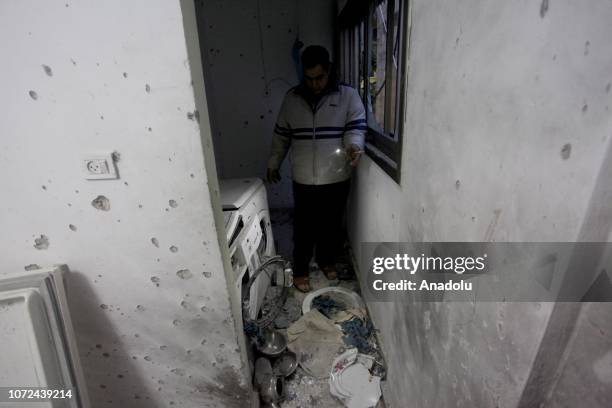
111,378
596,227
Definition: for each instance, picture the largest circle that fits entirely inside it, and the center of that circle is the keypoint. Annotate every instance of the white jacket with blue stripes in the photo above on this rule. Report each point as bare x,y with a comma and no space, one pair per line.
318,135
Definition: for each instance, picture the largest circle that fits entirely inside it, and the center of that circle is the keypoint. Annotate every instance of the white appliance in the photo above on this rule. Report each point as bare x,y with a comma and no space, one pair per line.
38,342
249,235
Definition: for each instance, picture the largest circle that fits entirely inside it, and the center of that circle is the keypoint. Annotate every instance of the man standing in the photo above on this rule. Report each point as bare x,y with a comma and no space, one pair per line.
324,123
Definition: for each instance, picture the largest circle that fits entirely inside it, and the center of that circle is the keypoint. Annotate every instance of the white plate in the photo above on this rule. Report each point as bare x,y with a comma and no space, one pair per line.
350,380
364,388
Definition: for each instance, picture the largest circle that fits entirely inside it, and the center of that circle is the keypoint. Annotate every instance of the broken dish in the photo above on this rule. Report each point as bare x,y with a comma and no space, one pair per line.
351,381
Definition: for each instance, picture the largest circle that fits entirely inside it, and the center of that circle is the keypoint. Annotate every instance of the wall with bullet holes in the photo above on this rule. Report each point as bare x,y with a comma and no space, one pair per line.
147,289
508,138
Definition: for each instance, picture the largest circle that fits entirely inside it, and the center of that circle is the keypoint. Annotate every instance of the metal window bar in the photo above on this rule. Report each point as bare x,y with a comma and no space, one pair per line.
390,64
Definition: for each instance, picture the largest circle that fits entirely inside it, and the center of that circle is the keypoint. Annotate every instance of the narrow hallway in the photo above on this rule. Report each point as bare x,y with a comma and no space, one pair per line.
150,152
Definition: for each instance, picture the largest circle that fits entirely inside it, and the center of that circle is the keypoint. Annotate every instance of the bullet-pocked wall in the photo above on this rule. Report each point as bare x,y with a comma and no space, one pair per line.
248,68
147,291
507,138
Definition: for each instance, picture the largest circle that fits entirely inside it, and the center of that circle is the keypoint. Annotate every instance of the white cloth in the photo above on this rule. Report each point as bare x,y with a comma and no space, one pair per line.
317,341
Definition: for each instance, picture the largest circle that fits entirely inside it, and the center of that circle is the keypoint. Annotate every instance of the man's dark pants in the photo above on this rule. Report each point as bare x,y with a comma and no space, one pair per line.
317,224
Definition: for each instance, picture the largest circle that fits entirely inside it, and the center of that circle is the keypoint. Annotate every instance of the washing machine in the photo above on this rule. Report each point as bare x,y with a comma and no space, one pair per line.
249,235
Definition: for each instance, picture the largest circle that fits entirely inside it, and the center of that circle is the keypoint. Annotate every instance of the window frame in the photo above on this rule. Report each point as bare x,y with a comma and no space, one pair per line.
384,148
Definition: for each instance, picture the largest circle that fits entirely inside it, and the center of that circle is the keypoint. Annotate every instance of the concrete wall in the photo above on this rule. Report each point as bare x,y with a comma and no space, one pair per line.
246,49
507,138
147,289
586,377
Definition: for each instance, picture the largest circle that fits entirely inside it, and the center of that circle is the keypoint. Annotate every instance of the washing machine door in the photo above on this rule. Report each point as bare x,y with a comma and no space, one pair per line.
38,357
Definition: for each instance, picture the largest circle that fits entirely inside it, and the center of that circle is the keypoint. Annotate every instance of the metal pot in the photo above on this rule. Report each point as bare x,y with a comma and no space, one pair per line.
285,364
273,344
270,386
273,389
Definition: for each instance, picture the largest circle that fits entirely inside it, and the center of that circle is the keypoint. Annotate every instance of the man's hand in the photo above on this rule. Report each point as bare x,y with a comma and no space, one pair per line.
273,176
354,152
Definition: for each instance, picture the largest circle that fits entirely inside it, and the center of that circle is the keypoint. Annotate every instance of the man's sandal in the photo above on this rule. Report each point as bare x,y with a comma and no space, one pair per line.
302,283
330,272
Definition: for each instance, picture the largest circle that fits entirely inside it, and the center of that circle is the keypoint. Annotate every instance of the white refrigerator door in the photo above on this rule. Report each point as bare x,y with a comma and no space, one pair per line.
37,343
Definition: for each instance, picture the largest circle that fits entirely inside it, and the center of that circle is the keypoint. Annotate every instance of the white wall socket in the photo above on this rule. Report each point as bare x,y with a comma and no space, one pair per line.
100,167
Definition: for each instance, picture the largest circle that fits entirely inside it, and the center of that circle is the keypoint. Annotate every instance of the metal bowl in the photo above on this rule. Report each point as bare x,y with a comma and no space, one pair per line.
285,364
270,386
273,390
273,343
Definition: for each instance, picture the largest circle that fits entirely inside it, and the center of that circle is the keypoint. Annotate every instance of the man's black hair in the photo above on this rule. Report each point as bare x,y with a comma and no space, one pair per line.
314,55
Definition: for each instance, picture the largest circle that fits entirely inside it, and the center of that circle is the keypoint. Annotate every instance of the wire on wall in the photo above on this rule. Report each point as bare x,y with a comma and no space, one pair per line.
261,49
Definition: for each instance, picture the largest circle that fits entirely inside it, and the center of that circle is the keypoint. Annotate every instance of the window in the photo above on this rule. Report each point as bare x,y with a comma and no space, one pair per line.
373,51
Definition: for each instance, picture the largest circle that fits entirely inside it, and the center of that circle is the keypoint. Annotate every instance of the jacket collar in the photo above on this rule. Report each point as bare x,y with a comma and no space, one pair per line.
303,91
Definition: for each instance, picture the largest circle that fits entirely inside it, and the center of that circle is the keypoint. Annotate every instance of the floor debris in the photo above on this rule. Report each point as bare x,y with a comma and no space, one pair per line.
320,326
351,381
358,333
302,391
333,299
328,306
289,313
318,340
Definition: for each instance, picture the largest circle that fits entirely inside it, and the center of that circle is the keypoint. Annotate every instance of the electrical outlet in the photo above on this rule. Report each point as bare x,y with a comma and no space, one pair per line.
100,167
97,166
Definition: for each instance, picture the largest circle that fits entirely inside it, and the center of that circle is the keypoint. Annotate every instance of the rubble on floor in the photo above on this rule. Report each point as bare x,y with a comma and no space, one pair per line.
317,340
339,362
358,333
302,391
352,382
